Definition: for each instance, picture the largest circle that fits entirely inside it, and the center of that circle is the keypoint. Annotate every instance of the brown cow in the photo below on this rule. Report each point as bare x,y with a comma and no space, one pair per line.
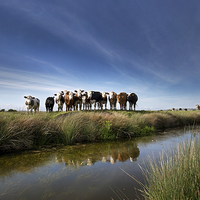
197,107
69,100
113,100
122,100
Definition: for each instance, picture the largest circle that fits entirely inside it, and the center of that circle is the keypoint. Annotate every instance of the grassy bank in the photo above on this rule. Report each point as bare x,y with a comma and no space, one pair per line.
20,131
177,176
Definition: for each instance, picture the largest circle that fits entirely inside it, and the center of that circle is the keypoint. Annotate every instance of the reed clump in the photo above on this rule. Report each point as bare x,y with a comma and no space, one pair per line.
20,131
176,176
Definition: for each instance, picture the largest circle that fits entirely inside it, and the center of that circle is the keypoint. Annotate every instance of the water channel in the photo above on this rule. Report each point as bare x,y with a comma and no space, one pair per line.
84,171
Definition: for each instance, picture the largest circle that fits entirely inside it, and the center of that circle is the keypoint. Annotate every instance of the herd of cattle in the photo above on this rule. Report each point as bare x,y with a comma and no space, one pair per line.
79,99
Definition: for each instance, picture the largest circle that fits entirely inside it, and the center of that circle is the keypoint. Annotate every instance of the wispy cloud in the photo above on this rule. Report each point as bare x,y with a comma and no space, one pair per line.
19,79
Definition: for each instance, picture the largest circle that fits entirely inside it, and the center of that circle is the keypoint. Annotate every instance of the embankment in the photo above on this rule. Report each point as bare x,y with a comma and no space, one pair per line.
19,131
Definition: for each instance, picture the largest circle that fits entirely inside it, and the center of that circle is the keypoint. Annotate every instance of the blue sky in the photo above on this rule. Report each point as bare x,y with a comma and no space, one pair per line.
147,47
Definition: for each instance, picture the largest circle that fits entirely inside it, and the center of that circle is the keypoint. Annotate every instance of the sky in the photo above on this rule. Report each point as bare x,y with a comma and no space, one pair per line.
151,48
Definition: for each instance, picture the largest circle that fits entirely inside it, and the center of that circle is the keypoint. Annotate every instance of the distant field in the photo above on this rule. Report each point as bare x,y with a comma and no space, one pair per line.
19,131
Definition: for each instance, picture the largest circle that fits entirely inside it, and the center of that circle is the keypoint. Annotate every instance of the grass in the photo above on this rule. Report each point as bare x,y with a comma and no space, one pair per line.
177,176
20,131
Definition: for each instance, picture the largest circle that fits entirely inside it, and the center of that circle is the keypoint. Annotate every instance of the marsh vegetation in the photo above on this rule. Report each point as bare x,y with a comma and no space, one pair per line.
20,131
177,174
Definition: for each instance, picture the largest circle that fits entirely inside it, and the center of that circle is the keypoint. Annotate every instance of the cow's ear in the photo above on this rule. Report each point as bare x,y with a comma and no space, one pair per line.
107,93
62,92
25,97
82,90
75,90
55,94
33,97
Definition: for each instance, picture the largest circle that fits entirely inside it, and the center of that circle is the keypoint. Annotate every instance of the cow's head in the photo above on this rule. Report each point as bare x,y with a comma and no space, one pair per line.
112,94
59,95
29,100
71,95
65,92
89,94
104,94
79,92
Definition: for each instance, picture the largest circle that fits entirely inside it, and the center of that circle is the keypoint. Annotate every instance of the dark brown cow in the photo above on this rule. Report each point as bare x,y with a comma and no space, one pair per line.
113,100
132,99
122,100
49,103
104,100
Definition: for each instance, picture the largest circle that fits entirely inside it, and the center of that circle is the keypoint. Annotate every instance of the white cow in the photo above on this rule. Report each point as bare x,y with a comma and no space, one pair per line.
32,103
60,100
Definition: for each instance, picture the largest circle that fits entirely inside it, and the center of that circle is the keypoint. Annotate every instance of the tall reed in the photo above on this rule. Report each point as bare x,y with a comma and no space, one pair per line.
21,131
177,176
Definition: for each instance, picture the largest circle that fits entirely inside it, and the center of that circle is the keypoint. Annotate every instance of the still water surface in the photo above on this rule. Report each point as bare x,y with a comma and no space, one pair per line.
90,171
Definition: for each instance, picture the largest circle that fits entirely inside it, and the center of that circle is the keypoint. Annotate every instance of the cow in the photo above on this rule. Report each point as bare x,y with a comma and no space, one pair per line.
78,99
85,101
132,99
69,99
173,109
113,100
122,100
49,103
32,103
95,98
197,107
104,100
60,100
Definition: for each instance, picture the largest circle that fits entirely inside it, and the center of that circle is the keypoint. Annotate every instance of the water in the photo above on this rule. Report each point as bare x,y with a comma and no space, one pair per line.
90,171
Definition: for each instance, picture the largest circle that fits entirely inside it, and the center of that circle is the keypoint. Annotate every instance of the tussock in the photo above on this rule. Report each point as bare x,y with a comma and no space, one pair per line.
20,131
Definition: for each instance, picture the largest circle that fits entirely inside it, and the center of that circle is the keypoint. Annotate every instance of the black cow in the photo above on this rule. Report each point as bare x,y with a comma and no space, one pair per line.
132,98
94,98
49,103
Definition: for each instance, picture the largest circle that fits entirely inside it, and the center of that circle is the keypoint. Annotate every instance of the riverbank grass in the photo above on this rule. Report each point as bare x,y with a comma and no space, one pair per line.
20,131
177,176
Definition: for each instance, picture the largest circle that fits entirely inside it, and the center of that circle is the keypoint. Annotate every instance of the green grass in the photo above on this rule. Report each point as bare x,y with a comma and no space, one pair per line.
20,131
177,176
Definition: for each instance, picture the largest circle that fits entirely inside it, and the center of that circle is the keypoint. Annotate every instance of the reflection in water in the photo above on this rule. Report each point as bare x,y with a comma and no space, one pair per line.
90,171
90,154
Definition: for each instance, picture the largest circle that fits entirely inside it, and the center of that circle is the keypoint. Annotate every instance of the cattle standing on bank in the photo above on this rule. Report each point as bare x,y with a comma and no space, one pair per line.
104,100
113,100
132,99
49,103
122,100
69,100
85,101
60,100
32,103
78,99
94,98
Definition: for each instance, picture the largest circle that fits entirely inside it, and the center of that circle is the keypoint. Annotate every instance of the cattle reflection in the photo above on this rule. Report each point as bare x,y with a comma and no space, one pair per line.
106,153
